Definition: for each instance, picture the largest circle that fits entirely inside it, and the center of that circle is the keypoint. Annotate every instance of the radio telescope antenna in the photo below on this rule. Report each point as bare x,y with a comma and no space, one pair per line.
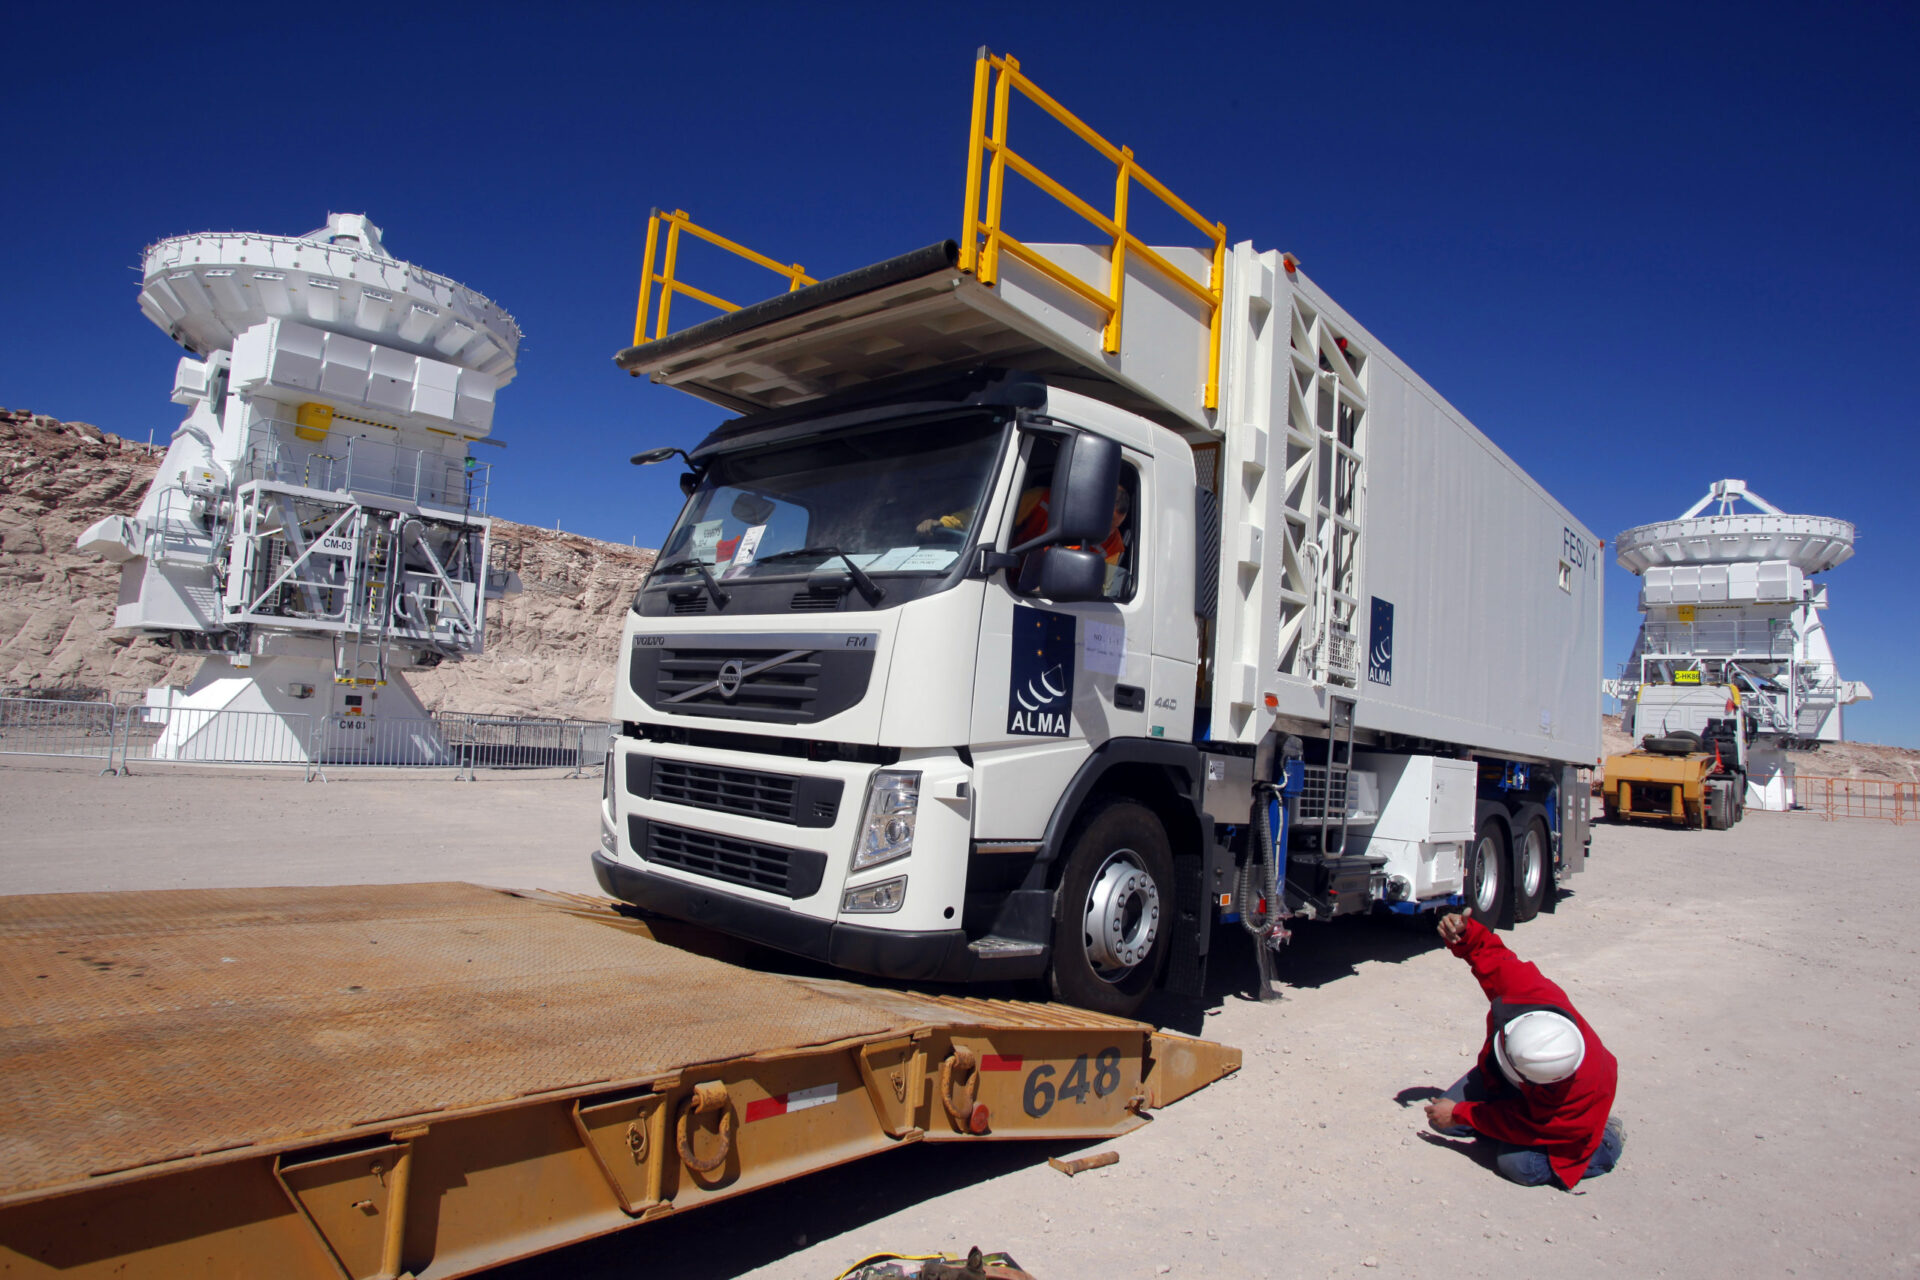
318,526
1729,600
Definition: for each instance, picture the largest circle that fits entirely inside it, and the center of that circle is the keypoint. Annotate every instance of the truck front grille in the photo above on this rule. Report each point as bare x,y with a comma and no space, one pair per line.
802,681
751,793
754,795
792,873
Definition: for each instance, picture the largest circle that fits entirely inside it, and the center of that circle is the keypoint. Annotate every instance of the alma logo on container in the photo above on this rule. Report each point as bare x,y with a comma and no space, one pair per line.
1040,675
1380,644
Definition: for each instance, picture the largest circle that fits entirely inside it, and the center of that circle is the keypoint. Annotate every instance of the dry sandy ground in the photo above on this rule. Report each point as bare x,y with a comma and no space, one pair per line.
1758,986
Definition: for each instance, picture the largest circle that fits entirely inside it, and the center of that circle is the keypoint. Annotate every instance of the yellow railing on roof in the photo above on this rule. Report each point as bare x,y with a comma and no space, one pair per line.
982,238
670,284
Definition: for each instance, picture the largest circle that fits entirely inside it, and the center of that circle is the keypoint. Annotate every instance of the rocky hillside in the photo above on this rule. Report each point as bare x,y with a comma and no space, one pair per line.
550,650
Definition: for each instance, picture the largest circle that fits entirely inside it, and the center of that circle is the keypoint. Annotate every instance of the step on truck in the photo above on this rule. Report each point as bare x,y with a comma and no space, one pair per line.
1046,605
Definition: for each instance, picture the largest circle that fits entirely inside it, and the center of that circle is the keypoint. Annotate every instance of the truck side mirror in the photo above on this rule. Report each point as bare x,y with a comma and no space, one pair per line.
1083,487
1080,507
1064,574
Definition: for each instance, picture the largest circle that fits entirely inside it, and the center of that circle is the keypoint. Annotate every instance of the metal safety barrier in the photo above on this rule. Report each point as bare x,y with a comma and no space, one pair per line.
195,735
667,276
983,238
1877,798
388,742
51,727
127,730
509,742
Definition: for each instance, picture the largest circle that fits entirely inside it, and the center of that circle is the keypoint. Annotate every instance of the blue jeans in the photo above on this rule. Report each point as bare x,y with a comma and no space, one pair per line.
1528,1166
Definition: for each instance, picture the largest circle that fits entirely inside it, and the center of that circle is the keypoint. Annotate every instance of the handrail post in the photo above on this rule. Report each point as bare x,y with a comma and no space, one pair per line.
666,271
1117,270
1210,399
970,225
646,278
989,265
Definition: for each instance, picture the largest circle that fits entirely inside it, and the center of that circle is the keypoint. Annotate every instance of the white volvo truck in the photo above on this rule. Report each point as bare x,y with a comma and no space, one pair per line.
997,640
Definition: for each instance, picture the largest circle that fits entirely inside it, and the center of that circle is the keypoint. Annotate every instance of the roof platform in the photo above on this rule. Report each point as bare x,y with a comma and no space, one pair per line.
922,312
434,1079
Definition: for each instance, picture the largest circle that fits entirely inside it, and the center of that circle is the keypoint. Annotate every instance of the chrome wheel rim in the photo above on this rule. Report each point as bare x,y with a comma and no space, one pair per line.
1122,916
1486,889
1533,869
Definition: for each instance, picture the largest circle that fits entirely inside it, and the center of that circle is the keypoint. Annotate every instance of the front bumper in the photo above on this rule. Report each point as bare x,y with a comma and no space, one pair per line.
932,956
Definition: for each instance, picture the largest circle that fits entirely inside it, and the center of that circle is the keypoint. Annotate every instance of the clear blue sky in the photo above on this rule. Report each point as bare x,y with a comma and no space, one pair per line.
1641,247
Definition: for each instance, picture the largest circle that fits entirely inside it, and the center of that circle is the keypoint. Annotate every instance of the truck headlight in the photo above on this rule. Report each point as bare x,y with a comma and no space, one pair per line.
887,895
609,839
886,829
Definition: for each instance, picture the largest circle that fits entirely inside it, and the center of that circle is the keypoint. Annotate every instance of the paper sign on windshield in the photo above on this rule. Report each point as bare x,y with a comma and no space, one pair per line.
706,540
743,555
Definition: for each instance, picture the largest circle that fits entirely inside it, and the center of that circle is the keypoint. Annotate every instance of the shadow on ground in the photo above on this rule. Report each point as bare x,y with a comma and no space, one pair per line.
711,1243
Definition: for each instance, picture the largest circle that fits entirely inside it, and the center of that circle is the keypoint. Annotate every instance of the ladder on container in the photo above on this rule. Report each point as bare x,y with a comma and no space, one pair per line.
1339,768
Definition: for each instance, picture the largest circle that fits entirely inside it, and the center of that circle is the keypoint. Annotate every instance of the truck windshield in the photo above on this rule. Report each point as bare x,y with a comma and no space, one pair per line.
893,499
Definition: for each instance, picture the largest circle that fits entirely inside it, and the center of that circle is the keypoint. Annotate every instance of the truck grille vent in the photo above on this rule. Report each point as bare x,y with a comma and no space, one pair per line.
792,873
817,601
695,603
753,795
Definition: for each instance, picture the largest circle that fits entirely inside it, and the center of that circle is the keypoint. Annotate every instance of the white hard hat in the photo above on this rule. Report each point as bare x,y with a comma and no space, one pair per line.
1539,1047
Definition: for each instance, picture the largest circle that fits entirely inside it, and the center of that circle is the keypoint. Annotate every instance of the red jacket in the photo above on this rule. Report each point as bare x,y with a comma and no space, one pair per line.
1565,1118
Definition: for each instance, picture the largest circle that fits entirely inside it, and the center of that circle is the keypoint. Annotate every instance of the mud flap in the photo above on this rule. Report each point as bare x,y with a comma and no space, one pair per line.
1187,966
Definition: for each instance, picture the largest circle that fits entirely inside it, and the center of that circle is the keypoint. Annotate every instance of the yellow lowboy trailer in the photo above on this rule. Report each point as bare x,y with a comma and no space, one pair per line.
1662,788
428,1080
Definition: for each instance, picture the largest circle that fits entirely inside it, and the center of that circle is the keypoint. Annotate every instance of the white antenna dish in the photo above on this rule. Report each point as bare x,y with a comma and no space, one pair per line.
206,289
1811,544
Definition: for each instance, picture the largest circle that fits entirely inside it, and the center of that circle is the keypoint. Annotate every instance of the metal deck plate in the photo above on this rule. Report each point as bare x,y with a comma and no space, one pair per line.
153,1027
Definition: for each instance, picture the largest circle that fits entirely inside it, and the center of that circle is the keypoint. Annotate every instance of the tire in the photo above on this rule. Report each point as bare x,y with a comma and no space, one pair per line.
1532,866
1486,871
1114,911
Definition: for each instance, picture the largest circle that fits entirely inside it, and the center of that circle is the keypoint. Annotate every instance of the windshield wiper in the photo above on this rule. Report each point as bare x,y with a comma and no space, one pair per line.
720,597
870,591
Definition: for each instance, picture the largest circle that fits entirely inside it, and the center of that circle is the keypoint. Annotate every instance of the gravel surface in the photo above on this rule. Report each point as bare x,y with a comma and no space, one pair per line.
1758,986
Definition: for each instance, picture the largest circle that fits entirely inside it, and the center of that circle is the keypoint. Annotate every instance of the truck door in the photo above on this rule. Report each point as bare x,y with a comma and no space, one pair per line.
1054,680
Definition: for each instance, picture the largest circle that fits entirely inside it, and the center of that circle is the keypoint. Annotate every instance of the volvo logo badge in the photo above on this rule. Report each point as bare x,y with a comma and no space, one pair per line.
728,681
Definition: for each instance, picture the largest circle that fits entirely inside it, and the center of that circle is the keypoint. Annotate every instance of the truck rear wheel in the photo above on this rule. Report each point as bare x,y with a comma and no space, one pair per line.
1486,878
1112,912
1532,867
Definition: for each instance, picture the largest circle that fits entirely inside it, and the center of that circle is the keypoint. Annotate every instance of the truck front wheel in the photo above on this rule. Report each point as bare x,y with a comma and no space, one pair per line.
1112,912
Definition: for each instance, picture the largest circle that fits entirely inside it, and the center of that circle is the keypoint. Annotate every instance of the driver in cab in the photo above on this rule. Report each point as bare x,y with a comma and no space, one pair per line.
1031,520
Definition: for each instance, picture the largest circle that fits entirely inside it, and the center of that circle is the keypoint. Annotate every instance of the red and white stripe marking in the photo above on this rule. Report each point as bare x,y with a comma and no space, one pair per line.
798,1100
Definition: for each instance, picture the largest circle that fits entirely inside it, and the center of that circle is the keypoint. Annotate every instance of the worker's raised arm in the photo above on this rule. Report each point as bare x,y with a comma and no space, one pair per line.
1483,951
1502,975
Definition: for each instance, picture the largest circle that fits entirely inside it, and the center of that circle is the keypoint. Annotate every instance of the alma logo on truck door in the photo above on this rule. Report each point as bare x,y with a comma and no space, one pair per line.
1040,673
1380,644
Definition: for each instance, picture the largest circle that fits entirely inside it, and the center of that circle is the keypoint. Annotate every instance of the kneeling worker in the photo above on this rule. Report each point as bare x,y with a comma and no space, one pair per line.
1543,1088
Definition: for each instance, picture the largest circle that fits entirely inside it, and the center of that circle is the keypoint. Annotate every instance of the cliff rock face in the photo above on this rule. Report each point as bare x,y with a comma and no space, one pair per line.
550,650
